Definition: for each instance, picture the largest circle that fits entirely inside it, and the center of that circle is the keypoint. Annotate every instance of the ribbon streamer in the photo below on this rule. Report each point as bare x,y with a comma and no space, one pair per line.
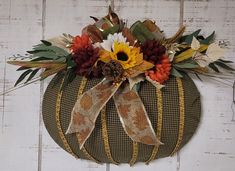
87,109
133,116
130,109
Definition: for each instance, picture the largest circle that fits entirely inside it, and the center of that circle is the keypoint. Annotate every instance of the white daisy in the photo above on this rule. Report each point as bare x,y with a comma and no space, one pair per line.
116,37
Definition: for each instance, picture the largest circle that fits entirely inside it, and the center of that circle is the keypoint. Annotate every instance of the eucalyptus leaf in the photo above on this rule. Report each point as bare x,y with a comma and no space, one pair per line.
22,76
176,73
186,65
57,50
47,54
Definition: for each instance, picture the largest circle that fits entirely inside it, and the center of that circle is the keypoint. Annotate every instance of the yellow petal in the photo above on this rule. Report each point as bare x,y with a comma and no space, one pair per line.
105,56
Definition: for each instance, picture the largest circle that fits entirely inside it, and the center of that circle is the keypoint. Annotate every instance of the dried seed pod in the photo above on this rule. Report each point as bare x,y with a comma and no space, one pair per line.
113,70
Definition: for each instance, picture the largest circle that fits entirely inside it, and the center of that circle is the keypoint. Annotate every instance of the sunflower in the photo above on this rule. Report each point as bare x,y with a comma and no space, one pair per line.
126,55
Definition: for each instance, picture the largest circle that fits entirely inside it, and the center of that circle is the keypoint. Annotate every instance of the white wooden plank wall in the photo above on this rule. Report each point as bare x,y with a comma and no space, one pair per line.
25,144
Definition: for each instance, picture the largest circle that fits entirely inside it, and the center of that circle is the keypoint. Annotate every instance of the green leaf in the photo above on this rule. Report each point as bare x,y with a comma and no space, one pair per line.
57,50
110,30
46,54
209,39
224,66
200,37
225,61
212,66
60,59
69,77
33,73
140,31
57,78
40,59
186,65
22,76
46,43
70,62
22,68
33,51
176,73
188,38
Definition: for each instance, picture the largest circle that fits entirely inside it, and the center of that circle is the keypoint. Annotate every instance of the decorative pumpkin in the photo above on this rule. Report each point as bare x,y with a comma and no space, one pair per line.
174,112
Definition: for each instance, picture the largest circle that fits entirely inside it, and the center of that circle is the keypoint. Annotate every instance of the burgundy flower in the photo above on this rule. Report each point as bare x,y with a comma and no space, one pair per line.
153,51
85,59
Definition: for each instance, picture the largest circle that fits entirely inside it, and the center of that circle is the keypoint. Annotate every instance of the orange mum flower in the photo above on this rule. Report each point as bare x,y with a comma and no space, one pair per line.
80,42
162,70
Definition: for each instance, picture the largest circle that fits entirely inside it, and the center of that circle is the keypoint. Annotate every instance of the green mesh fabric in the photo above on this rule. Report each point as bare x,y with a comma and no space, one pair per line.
121,145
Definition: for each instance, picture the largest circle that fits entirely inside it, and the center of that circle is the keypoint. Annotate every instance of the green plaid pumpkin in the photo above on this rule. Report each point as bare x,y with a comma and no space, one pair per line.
174,112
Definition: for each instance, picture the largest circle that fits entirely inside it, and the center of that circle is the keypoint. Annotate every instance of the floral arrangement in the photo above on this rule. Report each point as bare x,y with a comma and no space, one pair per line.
124,57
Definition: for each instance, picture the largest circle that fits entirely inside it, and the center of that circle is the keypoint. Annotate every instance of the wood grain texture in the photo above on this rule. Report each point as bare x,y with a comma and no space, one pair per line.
24,142
212,148
20,23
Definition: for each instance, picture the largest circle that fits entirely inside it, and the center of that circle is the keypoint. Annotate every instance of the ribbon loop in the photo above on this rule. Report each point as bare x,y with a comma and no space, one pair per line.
88,107
130,109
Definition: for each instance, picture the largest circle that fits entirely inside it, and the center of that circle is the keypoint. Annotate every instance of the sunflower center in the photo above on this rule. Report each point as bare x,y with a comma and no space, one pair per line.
122,56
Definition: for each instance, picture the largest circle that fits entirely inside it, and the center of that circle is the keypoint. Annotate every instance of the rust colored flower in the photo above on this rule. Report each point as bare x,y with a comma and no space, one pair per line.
161,71
85,55
80,43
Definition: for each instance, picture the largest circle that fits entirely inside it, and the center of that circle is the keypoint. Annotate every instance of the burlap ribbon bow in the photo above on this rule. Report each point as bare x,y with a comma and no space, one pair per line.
130,109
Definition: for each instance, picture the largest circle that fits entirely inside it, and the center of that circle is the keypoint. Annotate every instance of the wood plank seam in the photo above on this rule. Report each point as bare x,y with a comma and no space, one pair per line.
181,22
41,94
4,78
3,97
